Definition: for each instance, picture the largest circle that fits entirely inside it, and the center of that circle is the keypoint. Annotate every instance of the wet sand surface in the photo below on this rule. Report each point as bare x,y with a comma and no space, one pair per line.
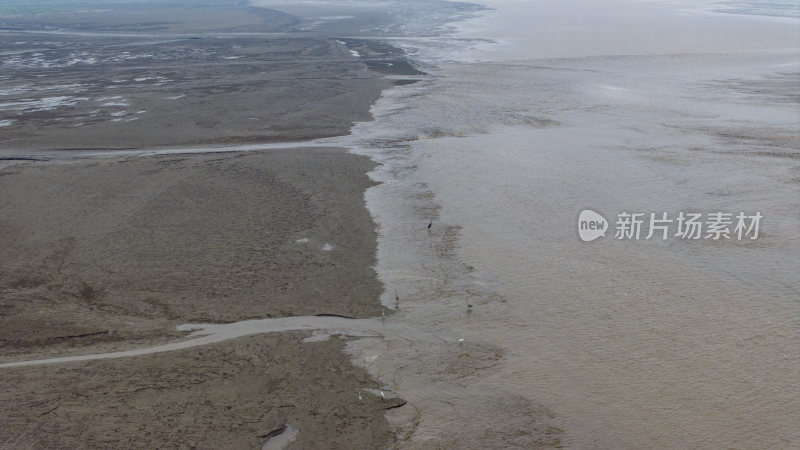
227,395
112,254
110,251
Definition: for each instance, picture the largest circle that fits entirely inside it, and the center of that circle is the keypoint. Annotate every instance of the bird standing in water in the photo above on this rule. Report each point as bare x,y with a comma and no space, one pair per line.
430,224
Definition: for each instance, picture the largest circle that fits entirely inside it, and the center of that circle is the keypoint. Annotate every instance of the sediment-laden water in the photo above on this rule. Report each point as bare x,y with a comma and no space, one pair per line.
616,343
507,330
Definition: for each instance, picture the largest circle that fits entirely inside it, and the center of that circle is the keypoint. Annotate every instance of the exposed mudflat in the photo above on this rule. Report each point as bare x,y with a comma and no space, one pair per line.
226,395
139,76
111,254
117,251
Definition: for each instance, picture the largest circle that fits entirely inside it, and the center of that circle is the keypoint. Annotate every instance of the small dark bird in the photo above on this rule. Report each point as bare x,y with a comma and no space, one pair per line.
469,305
430,224
396,301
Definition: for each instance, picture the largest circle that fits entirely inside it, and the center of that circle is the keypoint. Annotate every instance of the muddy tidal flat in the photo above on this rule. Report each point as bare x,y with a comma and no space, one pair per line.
113,231
108,255
127,77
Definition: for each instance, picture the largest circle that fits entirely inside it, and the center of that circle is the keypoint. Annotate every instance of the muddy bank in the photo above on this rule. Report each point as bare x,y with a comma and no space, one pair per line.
110,254
225,395
104,253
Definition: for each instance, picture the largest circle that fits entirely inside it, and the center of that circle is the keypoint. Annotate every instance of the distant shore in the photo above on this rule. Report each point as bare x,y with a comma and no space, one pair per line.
106,81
